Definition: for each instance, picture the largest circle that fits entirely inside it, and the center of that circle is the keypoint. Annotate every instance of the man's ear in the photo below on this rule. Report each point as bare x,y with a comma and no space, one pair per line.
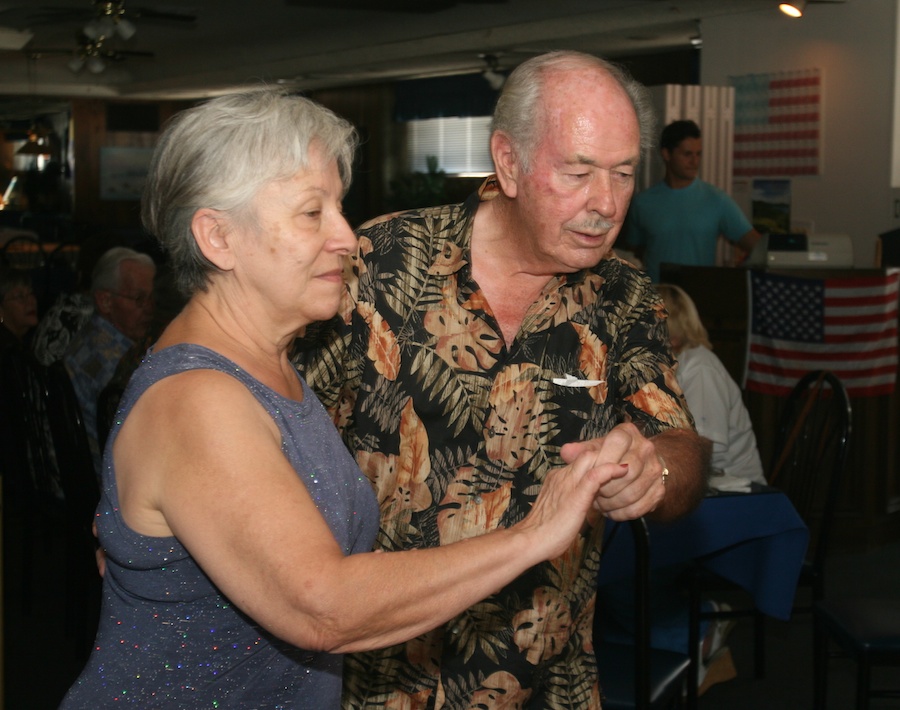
212,231
506,163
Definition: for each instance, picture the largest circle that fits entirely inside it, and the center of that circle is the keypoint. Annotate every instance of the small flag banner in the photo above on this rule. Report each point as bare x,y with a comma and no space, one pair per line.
777,123
846,325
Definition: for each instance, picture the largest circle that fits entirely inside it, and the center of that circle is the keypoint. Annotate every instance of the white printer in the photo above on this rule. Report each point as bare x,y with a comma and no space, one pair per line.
803,251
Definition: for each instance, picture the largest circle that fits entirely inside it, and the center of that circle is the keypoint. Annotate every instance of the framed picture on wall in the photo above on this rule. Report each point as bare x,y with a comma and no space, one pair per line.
123,172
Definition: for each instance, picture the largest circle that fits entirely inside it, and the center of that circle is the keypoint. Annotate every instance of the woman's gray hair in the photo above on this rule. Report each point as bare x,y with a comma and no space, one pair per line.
220,154
107,271
518,108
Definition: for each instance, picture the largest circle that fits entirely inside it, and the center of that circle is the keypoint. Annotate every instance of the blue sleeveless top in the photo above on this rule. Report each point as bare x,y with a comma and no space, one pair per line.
168,638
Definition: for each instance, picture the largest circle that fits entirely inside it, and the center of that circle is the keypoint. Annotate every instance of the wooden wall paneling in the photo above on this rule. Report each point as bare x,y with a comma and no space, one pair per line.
91,135
370,110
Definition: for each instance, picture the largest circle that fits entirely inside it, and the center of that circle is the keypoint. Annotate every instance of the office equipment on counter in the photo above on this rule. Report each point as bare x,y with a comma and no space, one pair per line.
803,251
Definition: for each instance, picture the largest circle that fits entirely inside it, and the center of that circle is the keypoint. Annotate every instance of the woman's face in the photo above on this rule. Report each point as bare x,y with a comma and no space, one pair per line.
295,259
19,310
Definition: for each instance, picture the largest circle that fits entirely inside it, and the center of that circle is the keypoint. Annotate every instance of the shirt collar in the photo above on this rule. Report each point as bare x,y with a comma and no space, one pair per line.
456,253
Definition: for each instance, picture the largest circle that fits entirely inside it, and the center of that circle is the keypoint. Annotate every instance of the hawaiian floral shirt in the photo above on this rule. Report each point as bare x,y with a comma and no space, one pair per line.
91,360
456,432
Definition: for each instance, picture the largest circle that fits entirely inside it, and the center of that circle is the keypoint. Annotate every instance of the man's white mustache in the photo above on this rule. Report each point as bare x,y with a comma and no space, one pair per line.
594,227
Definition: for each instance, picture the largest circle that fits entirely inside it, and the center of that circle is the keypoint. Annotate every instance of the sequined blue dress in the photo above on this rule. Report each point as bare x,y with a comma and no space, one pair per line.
168,638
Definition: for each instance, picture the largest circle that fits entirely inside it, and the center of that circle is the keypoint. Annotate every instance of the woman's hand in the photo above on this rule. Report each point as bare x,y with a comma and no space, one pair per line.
567,496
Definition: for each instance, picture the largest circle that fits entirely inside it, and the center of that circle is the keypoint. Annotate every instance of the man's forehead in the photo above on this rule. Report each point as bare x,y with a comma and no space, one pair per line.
137,270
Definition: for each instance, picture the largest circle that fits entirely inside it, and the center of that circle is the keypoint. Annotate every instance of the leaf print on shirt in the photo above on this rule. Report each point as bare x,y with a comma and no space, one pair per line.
573,298
515,416
382,349
404,701
399,480
658,404
592,361
464,340
343,412
545,628
425,651
565,567
468,512
499,691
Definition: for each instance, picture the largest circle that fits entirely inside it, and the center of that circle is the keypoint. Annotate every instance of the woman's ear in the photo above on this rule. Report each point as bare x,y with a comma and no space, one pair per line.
506,163
212,231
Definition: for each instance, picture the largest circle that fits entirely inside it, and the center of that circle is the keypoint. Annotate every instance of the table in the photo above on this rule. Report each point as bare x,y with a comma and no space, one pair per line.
756,540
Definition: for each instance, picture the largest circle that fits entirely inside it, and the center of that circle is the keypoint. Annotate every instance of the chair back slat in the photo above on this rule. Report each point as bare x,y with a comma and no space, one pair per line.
811,453
30,470
78,476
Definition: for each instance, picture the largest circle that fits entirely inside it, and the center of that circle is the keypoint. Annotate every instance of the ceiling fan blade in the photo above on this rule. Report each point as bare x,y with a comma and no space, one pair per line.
150,14
122,53
37,52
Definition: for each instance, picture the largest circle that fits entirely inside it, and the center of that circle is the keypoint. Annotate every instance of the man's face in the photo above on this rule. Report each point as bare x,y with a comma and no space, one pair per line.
683,161
573,200
130,307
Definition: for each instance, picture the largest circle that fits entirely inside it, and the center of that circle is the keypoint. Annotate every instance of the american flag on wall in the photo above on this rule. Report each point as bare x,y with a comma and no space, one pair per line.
777,123
846,325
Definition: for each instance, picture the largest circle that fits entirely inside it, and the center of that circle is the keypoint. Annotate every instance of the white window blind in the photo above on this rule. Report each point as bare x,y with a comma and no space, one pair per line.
460,144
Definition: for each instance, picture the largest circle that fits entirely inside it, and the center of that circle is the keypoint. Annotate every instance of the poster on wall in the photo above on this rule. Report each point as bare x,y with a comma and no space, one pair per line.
778,123
123,172
771,205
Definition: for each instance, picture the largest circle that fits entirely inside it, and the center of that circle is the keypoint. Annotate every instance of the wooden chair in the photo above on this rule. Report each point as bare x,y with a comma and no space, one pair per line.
22,252
638,677
808,465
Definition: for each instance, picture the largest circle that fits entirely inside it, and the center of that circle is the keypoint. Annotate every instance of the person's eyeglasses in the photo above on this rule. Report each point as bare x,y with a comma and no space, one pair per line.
141,300
19,296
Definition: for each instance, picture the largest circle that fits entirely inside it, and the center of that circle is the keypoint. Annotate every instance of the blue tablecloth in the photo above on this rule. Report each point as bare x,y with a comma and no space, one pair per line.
757,540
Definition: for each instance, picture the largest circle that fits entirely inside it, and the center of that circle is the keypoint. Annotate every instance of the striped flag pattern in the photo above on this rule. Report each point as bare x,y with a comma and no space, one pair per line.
777,123
846,325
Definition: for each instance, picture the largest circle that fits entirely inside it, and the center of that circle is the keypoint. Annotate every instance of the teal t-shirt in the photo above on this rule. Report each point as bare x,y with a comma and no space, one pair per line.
682,226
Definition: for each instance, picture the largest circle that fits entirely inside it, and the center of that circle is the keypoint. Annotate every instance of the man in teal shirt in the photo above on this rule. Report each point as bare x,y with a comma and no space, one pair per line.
679,219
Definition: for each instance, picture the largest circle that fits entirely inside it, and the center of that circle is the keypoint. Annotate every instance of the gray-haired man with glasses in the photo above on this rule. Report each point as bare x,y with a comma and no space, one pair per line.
122,288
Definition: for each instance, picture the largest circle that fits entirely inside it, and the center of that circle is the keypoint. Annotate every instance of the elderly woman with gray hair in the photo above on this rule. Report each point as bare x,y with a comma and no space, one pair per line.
237,527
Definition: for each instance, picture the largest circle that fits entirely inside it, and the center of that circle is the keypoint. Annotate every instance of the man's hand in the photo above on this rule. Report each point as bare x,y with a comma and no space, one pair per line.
683,454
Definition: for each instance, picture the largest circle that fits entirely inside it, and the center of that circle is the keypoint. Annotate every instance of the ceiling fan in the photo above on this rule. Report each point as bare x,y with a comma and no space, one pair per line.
91,54
100,11
106,26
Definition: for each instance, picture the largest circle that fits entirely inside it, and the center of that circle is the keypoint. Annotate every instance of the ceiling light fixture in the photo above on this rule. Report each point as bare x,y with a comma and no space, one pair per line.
110,21
794,8
90,54
494,78
697,38
34,145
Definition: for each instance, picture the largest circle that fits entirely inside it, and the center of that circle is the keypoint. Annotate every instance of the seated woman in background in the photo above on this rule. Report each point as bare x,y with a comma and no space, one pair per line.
712,396
237,526
719,415
18,307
